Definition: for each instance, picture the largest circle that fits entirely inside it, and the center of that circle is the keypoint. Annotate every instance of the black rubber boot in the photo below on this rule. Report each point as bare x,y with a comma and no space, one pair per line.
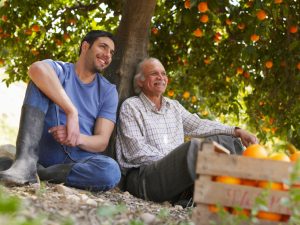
5,163
56,174
23,170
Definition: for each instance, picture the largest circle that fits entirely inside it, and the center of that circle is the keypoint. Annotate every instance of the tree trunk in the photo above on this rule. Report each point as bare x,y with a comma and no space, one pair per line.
132,44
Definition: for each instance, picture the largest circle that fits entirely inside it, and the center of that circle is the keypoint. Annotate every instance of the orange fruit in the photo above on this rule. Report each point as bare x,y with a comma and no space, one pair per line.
298,66
154,30
295,156
228,180
4,18
268,216
187,4
271,185
204,18
261,14
202,7
198,33
1,62
247,182
239,70
279,156
269,64
171,93
246,75
186,95
194,99
256,151
241,26
228,22
35,28
207,61
277,1
254,37
215,209
293,29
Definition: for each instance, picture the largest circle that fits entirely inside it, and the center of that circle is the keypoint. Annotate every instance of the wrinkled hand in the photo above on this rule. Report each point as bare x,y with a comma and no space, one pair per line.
246,138
68,134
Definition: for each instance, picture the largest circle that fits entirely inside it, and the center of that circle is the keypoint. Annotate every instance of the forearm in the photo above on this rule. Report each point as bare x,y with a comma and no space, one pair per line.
94,143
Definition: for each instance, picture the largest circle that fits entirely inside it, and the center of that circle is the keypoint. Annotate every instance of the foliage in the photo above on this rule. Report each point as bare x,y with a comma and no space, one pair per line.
10,207
233,61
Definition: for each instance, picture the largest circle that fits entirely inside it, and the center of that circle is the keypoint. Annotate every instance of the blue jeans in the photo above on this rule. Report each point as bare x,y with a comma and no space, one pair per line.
93,171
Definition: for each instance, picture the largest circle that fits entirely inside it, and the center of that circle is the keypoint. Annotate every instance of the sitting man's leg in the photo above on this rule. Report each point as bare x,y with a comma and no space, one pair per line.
233,144
95,173
168,178
23,170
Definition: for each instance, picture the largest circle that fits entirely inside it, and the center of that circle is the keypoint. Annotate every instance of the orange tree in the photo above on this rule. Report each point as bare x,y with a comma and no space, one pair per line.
223,57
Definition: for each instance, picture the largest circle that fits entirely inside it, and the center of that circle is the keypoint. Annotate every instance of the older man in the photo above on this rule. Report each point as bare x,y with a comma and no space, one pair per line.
155,161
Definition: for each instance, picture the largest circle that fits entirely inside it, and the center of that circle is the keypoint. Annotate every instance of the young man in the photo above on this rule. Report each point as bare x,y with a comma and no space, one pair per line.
67,118
150,147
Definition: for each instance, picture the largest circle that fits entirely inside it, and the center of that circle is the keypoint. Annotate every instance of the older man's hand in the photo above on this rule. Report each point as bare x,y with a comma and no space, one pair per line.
246,137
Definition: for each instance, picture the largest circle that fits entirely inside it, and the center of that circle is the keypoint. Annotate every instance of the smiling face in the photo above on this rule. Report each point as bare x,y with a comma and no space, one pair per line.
99,55
154,81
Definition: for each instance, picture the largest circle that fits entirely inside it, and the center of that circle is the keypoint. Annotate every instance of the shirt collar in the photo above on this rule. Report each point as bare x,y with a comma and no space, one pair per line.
151,106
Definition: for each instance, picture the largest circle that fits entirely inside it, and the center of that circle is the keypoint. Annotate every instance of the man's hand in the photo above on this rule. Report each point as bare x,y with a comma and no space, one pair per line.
246,138
67,135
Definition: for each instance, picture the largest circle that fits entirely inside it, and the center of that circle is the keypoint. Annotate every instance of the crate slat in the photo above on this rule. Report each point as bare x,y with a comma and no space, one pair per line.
243,167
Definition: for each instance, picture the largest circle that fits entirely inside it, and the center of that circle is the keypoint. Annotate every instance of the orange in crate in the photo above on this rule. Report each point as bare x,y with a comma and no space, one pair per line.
215,209
228,180
256,151
269,216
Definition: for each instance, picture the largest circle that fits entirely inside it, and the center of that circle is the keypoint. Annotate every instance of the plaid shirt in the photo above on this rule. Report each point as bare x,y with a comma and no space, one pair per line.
145,134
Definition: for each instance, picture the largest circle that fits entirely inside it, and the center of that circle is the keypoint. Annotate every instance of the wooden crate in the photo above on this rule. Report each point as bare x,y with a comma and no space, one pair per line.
211,162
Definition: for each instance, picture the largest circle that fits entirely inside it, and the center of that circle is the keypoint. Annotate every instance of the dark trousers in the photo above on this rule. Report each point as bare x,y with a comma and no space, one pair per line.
168,178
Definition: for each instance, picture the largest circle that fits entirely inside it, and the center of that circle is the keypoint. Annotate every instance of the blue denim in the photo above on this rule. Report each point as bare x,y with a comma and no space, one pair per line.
93,171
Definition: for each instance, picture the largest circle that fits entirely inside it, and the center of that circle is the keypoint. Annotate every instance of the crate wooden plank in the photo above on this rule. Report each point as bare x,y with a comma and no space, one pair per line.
209,192
243,167
202,216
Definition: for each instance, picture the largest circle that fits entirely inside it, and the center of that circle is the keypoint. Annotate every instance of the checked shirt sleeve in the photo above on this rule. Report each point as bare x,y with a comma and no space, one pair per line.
194,126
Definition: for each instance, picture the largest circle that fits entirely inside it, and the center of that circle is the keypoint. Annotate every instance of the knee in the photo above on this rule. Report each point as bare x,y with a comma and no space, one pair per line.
111,176
98,174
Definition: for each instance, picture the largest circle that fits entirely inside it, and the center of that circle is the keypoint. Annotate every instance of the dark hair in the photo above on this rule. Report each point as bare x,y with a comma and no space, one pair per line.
93,35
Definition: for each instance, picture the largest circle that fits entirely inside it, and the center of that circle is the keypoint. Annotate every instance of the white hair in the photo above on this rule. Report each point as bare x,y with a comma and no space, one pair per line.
139,76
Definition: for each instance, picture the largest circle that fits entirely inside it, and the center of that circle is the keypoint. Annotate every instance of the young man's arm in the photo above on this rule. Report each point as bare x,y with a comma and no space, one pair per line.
46,79
94,143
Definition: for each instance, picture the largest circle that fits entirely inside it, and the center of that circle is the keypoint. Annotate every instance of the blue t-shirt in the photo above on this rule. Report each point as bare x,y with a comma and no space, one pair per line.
98,99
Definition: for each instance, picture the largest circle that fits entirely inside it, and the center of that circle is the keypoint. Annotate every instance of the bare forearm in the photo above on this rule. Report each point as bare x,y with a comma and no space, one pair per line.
95,143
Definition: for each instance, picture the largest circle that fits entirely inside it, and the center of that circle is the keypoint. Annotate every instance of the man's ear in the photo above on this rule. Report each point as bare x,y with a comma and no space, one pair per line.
139,82
85,46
